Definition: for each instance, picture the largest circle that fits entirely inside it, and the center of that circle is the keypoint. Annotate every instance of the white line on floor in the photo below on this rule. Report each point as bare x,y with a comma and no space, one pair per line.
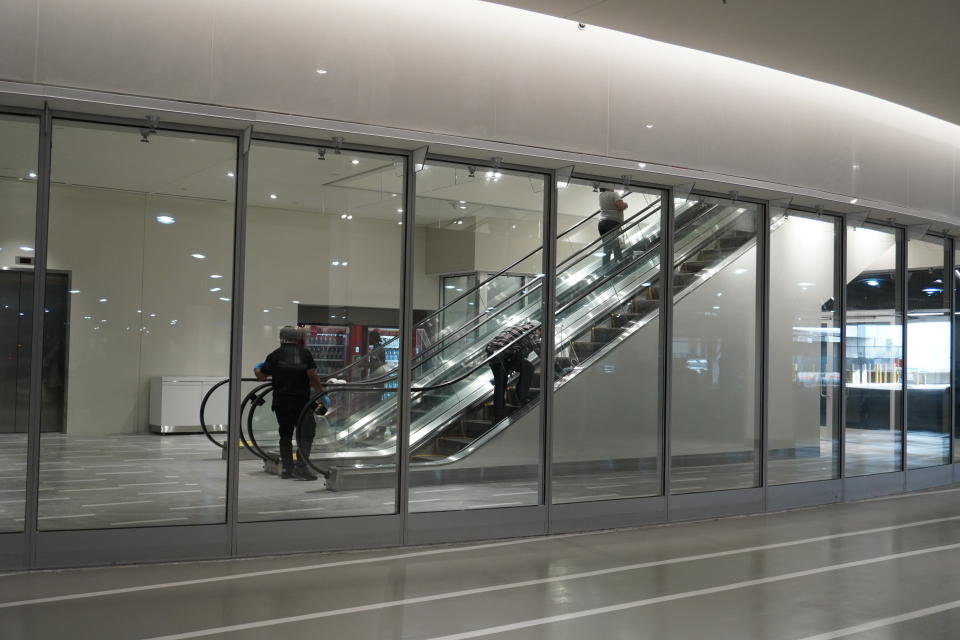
494,504
916,494
120,524
676,479
72,481
607,486
157,493
147,484
512,493
146,459
122,473
596,497
76,515
330,498
199,506
885,622
91,489
113,504
536,622
476,547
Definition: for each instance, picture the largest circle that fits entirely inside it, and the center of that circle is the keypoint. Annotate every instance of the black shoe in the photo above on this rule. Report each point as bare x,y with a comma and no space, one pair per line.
286,474
304,474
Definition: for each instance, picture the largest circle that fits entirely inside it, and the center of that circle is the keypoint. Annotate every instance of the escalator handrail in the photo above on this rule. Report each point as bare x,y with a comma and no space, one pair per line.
487,318
521,291
256,448
203,408
627,224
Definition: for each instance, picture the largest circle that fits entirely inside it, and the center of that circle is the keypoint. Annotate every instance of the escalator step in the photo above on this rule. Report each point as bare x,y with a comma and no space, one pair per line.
476,428
451,444
643,307
585,349
606,334
695,266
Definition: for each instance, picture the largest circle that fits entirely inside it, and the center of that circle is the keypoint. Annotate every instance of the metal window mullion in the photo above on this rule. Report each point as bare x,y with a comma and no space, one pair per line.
901,274
548,324
840,308
948,298
761,386
41,240
236,339
405,380
665,352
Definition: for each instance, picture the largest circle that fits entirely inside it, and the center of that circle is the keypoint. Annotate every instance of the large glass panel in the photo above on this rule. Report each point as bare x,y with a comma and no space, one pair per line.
141,229
804,350
714,431
324,256
605,425
955,278
874,352
475,433
928,355
18,197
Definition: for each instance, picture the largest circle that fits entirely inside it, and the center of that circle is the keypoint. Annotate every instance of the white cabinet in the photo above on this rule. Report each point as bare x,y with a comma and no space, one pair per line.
175,404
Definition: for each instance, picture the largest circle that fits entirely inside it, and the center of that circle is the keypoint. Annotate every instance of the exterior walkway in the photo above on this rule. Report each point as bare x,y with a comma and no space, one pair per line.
883,568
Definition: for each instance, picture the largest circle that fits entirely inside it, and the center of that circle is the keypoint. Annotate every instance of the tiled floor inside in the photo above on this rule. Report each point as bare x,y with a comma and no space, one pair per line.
150,480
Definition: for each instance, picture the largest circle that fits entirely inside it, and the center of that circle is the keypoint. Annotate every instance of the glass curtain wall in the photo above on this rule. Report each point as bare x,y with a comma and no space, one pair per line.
804,350
714,431
141,229
475,434
18,199
928,355
323,279
606,419
873,366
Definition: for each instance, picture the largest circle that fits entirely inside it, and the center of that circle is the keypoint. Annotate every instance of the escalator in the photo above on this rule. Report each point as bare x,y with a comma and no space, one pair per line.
599,307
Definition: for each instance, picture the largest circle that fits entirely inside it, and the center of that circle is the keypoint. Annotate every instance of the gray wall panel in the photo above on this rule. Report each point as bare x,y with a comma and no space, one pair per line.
607,514
881,484
117,546
476,524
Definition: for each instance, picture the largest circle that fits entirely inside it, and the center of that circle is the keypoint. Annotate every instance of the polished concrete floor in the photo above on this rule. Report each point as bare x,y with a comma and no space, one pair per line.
877,569
148,480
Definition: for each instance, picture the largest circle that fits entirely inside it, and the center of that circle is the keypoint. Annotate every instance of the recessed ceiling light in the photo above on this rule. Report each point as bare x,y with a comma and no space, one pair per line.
165,219
32,174
393,195
153,315
225,299
215,276
399,210
513,227
853,201
231,174
102,300
716,308
215,289
295,301
273,196
343,216
87,317
74,290
463,202
321,72
462,207
648,126
400,222
642,165
198,256
266,310
335,263
344,264
354,161
25,248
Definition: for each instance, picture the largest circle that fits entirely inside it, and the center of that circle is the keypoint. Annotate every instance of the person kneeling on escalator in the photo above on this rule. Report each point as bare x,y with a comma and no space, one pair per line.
514,345
293,372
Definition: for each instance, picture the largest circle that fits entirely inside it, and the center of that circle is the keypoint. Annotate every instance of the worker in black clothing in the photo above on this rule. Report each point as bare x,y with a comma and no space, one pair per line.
514,345
293,372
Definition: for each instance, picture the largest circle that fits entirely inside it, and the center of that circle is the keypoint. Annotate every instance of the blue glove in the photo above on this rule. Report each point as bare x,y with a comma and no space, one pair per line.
325,400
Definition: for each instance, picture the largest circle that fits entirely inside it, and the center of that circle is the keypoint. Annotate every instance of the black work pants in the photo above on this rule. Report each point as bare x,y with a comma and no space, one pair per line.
611,241
288,412
502,367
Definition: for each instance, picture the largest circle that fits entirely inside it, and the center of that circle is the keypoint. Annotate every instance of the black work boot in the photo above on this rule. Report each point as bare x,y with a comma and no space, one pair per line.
286,460
302,471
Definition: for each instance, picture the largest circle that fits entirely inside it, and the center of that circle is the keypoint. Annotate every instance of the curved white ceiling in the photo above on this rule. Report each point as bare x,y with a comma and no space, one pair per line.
905,52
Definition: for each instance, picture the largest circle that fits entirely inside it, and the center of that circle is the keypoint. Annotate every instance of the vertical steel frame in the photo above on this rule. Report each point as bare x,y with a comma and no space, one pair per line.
405,382
841,307
547,351
236,338
665,352
950,293
762,341
31,506
901,289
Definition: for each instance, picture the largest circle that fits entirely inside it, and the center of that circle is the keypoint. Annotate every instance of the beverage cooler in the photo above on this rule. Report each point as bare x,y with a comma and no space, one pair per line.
329,346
